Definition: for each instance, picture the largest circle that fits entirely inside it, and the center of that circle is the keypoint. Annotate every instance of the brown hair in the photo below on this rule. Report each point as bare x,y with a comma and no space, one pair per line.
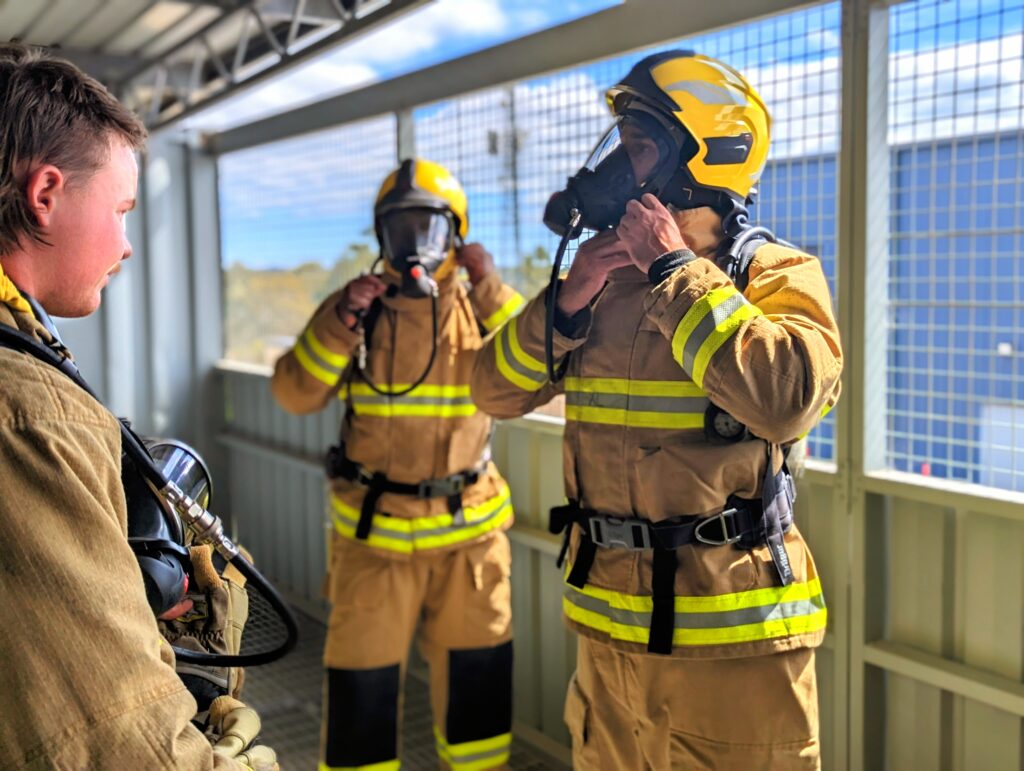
51,112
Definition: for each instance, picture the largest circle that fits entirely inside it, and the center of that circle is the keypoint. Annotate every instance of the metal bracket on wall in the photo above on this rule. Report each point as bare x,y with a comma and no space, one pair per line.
248,41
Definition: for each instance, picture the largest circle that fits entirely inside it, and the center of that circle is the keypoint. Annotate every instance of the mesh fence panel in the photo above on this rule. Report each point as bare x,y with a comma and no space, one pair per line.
296,223
956,309
513,146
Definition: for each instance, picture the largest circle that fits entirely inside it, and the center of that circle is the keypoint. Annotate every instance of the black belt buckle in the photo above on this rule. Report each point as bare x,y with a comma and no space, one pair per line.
619,533
722,518
442,488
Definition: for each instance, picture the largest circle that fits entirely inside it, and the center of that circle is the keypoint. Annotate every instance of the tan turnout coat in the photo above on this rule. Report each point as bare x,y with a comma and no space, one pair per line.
640,376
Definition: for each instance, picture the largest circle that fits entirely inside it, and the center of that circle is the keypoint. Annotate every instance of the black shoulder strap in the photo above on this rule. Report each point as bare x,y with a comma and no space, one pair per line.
370,320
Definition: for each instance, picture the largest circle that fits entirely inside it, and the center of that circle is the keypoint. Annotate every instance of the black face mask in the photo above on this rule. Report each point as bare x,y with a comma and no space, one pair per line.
600,190
415,242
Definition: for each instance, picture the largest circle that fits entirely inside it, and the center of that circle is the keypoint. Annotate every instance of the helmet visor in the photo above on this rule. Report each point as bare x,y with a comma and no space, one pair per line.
644,142
422,233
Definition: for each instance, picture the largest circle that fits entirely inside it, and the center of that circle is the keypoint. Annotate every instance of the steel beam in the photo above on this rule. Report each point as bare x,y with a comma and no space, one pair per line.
635,24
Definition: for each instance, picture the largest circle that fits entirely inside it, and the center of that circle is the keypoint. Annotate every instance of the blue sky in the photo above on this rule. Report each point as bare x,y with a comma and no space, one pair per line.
307,198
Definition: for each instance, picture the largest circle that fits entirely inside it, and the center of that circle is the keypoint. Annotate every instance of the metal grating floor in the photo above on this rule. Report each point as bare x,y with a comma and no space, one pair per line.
287,696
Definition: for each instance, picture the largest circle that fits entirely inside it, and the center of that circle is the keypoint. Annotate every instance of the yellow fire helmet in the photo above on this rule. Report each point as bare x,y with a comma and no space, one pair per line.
726,122
421,212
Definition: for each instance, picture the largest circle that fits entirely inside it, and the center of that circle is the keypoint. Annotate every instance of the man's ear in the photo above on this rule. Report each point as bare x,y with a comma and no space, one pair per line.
44,189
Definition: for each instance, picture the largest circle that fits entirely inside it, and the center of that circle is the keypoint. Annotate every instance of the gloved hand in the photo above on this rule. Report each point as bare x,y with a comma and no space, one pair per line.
214,624
233,729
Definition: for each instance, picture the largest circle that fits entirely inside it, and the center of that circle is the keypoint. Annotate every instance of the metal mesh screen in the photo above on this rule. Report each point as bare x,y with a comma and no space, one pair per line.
296,223
956,297
514,146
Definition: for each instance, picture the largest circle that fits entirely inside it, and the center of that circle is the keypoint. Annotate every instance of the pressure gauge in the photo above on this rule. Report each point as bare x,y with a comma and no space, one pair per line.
721,427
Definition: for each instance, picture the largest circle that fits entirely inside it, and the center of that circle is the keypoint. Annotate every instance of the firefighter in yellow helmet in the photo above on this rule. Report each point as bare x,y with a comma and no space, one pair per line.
419,510
692,350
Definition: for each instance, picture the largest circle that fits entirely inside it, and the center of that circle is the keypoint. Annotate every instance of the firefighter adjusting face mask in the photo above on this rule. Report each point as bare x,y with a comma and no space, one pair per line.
415,242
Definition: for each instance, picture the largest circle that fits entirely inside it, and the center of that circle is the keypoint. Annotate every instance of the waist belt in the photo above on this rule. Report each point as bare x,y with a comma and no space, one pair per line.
451,487
744,524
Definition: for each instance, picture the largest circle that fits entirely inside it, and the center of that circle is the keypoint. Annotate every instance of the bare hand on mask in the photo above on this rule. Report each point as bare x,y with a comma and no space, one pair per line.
477,261
594,260
647,231
358,295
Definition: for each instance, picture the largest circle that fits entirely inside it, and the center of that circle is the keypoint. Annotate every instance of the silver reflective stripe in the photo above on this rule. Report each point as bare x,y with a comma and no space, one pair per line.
315,358
636,403
706,326
401,535
513,362
688,620
708,93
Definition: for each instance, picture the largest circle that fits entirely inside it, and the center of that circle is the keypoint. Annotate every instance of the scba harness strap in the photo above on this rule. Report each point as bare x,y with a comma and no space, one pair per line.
744,524
339,466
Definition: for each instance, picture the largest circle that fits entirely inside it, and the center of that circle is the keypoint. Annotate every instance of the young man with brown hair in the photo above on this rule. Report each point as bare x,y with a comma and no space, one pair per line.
88,681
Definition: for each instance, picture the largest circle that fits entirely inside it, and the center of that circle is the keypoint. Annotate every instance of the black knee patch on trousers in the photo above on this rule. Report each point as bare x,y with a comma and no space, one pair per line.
479,693
362,716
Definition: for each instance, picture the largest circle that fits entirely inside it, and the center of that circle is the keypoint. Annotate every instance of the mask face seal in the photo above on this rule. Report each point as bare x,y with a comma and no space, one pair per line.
640,153
415,242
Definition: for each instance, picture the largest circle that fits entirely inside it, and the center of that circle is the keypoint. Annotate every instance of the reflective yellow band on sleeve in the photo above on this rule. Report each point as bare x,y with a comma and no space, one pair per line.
476,755
319,362
508,309
709,323
517,366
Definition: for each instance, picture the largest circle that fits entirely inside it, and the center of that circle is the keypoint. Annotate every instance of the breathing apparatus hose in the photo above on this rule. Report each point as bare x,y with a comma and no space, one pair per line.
572,231
361,363
205,526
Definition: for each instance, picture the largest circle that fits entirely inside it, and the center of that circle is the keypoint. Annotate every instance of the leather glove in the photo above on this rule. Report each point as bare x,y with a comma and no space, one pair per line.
233,730
214,624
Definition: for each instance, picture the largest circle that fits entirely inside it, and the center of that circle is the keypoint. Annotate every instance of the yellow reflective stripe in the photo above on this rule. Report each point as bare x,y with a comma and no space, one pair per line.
406,535
723,331
447,391
475,755
338,360
693,354
398,409
620,385
522,356
693,317
725,635
387,765
771,595
314,369
507,337
699,628
510,307
617,417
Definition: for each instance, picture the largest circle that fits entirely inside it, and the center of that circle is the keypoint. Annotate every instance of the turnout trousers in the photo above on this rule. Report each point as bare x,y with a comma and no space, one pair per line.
459,599
637,711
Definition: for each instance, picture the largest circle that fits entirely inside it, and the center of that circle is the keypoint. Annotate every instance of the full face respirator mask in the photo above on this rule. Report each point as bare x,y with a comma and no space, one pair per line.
415,242
167,491
642,152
